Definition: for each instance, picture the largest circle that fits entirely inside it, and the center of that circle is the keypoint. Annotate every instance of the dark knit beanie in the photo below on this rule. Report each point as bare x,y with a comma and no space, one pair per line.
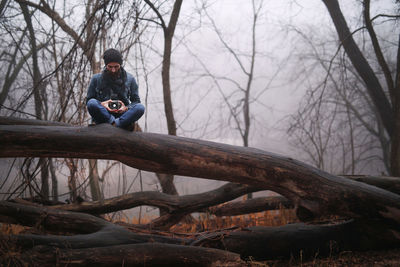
112,55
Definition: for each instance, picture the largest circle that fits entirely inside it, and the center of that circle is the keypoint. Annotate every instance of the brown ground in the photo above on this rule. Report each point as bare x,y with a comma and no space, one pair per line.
349,258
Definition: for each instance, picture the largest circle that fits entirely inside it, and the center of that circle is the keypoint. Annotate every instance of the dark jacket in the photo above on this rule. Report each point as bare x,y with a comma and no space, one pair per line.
102,87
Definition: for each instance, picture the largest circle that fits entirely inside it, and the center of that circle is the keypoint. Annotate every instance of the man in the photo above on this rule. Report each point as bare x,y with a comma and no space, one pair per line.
112,95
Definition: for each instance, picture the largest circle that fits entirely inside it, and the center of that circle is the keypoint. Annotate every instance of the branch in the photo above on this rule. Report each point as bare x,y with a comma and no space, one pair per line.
45,8
362,66
160,17
171,203
90,231
250,206
378,51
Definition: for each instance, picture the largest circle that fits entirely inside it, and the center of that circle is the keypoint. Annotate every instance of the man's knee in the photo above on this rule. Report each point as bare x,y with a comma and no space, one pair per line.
140,109
92,104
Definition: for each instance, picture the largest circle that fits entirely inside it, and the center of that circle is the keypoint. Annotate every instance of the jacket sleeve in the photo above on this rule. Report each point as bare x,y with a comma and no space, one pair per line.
134,93
91,93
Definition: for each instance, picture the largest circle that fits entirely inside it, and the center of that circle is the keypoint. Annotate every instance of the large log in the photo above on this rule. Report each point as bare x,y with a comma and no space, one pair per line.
97,236
388,183
317,193
151,254
197,202
302,240
87,230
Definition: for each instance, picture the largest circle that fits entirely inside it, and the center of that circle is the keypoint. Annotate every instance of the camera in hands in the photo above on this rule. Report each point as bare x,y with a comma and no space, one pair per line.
114,104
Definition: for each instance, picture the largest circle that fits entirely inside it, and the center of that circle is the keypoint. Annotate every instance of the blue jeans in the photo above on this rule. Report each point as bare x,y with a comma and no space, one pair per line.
125,120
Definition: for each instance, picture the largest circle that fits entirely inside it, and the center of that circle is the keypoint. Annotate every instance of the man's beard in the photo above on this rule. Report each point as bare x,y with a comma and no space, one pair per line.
114,75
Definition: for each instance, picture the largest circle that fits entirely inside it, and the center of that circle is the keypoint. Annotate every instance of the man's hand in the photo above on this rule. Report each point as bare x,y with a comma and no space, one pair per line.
121,110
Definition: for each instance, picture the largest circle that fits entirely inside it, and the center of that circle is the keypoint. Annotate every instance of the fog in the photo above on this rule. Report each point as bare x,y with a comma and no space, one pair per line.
199,107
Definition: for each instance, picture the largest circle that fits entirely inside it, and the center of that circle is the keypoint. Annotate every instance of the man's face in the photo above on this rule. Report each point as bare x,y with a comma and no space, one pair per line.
113,68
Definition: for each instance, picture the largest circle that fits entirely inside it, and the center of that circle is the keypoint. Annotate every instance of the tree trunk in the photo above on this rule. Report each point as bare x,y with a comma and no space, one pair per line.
95,238
388,183
314,192
54,181
44,177
100,243
167,183
301,240
94,180
167,180
147,254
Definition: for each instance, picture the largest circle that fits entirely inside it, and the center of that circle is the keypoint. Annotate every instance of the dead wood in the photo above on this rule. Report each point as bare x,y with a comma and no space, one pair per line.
148,254
77,230
19,121
316,193
251,205
302,240
97,235
176,207
388,183
98,242
172,204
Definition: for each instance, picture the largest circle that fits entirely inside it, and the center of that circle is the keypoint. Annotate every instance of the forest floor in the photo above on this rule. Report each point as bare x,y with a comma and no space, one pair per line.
378,258
270,218
382,258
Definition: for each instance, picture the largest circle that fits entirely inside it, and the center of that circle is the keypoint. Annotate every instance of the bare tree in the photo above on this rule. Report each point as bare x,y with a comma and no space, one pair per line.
95,21
341,99
167,181
387,106
238,90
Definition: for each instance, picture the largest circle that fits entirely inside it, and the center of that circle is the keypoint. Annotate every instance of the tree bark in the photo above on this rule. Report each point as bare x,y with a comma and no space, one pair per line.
251,205
171,203
94,180
302,240
87,230
388,183
166,64
167,180
147,254
94,236
314,192
99,242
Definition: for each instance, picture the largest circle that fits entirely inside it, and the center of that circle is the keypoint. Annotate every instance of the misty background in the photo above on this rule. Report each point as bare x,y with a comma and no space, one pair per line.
293,45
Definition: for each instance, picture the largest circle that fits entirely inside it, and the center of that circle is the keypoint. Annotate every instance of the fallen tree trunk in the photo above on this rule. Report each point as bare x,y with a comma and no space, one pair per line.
388,183
177,206
96,236
302,240
151,254
314,192
88,231
171,203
